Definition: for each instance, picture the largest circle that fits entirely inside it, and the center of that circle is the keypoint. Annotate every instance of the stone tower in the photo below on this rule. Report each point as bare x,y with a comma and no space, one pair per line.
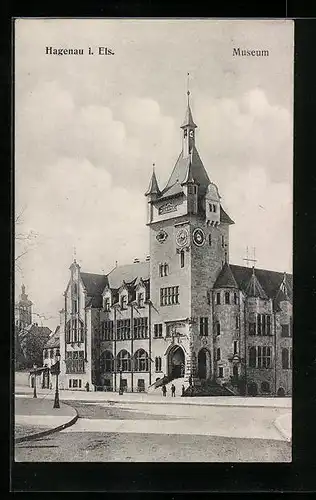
189,244
23,310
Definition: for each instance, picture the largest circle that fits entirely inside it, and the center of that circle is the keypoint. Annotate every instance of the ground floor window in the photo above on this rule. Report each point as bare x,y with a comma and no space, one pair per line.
221,372
141,385
265,387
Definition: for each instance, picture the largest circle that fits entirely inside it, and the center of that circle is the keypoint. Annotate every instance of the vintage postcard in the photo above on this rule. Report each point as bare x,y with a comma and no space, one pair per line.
153,228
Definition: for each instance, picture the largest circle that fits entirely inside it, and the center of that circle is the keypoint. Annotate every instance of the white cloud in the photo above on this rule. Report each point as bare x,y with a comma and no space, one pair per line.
88,131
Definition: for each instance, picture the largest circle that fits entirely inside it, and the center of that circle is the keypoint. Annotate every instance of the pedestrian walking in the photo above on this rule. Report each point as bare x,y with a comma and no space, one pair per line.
173,391
164,390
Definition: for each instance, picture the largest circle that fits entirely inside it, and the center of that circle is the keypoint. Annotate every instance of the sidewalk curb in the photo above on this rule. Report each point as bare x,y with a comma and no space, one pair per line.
284,433
49,431
193,403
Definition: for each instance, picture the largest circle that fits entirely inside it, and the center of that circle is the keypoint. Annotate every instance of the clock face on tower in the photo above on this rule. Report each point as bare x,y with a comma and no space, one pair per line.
182,237
198,237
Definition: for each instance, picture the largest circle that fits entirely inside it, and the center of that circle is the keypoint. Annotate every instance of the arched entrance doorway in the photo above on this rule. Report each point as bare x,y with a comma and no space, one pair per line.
204,364
176,362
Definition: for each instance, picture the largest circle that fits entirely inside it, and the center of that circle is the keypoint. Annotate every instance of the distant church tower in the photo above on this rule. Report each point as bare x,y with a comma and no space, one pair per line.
23,310
189,244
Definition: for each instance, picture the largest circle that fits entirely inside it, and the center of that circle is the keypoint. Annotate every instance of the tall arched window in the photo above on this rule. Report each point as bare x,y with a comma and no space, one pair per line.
124,361
141,361
285,358
252,357
107,362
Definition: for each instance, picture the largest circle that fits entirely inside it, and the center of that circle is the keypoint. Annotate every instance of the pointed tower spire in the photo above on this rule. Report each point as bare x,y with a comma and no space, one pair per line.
188,119
153,187
254,288
226,279
189,178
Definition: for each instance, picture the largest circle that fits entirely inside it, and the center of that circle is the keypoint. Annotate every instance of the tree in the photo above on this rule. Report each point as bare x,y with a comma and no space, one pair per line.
23,240
33,344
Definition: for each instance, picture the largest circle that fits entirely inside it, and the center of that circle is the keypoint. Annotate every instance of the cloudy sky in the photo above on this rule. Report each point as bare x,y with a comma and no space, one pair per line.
89,128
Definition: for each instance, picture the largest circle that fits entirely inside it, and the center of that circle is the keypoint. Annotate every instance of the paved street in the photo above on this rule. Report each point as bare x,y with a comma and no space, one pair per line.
163,432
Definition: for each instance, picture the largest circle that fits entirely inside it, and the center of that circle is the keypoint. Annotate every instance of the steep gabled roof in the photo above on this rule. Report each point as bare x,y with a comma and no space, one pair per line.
179,173
224,217
254,289
188,119
94,283
153,185
269,280
226,278
128,273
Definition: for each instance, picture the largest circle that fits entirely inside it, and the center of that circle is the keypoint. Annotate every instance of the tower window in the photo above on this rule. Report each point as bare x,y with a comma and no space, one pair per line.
235,346
285,330
220,372
210,239
169,295
285,359
163,270
227,297
237,322
182,258
235,298
218,298
218,354
252,328
217,328
204,327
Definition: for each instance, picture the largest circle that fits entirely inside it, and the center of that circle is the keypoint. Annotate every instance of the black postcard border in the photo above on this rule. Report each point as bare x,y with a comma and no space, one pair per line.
300,475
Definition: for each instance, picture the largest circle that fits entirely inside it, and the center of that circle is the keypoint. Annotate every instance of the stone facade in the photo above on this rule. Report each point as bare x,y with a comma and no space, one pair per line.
185,312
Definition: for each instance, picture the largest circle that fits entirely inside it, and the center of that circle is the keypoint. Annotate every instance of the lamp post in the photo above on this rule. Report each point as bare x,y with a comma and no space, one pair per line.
121,385
57,372
34,380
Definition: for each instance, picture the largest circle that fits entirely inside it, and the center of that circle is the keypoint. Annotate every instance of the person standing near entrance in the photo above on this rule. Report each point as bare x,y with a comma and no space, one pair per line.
173,391
164,390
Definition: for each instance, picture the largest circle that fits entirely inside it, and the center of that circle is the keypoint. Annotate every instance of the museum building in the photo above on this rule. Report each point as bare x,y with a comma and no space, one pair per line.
185,312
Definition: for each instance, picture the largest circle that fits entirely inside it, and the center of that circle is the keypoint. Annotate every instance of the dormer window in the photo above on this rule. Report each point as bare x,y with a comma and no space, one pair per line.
141,299
212,207
124,301
191,189
107,304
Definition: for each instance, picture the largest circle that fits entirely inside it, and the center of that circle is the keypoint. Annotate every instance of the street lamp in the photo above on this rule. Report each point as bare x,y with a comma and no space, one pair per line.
57,372
121,384
34,380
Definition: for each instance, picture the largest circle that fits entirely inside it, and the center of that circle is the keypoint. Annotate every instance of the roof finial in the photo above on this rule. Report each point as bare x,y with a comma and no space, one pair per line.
75,254
154,167
188,88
